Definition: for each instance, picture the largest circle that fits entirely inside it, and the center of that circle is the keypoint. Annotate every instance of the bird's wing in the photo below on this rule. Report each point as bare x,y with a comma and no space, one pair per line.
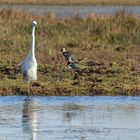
68,54
76,66
81,66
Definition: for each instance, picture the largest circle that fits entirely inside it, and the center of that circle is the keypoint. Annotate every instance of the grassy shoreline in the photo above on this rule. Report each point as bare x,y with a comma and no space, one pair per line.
73,2
108,46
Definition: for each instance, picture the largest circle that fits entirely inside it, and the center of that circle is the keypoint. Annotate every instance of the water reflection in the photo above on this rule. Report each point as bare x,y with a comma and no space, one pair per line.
29,118
69,118
70,111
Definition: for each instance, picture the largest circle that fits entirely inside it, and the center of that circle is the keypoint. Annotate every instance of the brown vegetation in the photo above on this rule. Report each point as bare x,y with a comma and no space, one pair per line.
108,46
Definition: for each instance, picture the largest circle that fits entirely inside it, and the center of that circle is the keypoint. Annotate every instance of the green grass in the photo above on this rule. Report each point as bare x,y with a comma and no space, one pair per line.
109,46
73,2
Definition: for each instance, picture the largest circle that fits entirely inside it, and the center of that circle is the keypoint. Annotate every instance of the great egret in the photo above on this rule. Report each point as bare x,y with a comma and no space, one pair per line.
29,65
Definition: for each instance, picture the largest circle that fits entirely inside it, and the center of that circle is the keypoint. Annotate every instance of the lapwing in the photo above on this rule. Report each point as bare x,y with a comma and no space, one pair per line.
68,55
76,67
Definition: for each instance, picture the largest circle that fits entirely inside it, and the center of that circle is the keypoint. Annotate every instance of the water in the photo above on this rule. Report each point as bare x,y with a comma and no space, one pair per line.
70,118
69,11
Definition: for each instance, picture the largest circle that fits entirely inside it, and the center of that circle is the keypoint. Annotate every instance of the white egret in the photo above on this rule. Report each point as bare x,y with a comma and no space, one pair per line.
29,65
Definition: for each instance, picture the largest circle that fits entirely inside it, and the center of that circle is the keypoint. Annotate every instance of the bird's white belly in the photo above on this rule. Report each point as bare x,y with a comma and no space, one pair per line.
69,67
32,74
29,71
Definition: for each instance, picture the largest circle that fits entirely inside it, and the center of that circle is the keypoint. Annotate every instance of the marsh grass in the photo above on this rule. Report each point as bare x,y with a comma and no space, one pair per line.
73,2
108,46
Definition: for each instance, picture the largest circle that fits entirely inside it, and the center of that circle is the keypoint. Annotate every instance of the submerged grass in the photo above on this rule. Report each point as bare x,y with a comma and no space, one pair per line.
108,46
73,2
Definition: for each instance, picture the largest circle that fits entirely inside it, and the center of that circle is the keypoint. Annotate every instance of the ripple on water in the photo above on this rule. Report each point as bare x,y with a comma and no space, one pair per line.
84,118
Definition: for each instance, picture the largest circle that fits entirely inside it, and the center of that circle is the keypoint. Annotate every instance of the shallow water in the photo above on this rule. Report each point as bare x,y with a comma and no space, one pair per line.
69,11
70,118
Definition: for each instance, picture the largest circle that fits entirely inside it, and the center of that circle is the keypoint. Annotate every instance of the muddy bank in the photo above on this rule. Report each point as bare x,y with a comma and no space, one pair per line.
107,46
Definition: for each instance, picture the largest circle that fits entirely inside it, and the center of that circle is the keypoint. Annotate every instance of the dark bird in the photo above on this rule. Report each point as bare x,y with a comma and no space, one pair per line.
68,55
76,67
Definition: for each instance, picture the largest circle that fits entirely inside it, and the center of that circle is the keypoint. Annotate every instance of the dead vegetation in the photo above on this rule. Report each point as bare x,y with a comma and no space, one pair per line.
108,46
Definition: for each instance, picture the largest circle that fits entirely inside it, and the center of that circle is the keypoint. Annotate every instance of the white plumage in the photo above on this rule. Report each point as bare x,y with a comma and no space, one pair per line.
29,69
29,65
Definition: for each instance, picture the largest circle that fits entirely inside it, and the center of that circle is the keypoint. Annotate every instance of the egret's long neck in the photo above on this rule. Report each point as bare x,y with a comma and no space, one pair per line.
33,43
